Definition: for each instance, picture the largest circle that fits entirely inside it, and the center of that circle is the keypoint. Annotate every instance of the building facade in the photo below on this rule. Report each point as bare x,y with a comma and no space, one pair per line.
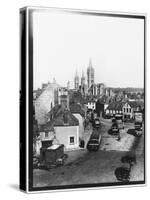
45,102
79,112
68,135
126,109
97,90
63,97
63,127
91,105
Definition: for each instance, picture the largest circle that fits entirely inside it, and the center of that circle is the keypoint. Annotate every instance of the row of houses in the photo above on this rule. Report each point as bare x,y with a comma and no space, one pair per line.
126,109
64,121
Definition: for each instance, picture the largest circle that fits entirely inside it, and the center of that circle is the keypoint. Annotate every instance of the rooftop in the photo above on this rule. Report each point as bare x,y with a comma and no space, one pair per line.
77,108
115,106
61,117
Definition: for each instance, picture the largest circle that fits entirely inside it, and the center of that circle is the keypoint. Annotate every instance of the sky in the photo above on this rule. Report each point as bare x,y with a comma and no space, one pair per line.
65,42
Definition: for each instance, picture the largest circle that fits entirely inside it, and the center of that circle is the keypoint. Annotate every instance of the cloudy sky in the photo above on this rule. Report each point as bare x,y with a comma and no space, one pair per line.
64,43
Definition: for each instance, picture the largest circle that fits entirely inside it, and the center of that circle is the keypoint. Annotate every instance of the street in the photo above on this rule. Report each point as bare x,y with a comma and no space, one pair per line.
83,167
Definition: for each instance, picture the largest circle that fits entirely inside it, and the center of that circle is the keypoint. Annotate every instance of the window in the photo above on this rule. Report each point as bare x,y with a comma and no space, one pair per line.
46,134
71,140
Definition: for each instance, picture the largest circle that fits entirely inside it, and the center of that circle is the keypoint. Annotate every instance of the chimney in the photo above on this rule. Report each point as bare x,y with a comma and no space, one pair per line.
65,117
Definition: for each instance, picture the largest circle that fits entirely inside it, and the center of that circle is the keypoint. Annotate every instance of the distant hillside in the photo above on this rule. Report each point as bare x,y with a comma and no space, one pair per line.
128,89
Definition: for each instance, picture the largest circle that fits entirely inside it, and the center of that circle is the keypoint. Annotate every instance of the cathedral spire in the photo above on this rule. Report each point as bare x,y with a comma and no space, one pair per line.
68,85
82,79
76,80
90,63
90,74
76,73
82,73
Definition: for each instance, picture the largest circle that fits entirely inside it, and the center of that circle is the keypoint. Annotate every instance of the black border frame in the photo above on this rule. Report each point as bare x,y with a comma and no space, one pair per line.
30,89
22,138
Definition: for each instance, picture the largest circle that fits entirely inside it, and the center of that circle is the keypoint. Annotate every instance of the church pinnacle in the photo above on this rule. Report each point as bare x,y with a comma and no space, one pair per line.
76,81
90,74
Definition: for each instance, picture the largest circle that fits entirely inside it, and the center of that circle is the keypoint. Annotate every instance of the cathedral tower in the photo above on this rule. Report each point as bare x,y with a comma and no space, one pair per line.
82,79
90,74
76,81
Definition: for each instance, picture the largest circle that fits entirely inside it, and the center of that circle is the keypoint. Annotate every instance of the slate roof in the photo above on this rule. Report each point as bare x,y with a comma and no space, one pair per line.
119,105
62,118
55,110
115,106
77,108
135,104
46,127
60,121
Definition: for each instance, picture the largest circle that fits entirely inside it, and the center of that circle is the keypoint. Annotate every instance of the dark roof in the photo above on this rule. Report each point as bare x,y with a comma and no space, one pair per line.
77,108
54,111
46,127
67,116
62,118
115,106
135,104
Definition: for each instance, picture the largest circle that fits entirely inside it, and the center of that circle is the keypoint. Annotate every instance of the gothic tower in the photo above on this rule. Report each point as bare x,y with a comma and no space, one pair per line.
90,74
68,85
76,81
82,79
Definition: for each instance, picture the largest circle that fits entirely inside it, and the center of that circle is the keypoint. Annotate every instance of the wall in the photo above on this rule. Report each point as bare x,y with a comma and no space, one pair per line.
91,105
81,125
128,108
49,135
43,103
64,132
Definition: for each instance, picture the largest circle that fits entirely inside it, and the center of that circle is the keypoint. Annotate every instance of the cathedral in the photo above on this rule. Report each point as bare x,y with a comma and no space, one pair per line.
82,85
87,85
